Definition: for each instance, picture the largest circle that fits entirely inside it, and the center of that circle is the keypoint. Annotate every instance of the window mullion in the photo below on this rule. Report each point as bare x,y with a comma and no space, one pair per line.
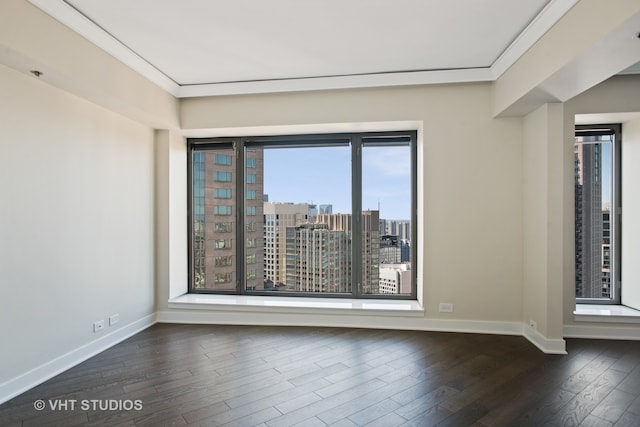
356,216
238,148
616,217
414,213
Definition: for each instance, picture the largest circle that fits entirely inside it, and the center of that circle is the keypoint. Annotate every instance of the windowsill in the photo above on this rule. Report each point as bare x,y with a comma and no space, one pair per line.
298,305
606,313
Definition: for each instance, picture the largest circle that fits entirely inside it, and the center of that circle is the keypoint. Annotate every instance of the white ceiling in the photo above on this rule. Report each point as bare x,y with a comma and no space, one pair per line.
208,47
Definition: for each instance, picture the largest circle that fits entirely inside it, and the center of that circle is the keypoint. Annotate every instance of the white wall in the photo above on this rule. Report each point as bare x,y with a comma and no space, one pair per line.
614,98
542,235
171,216
469,193
631,213
76,227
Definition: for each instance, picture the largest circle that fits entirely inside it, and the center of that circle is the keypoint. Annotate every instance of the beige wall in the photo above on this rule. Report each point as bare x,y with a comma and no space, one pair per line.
593,41
470,195
30,39
76,226
77,183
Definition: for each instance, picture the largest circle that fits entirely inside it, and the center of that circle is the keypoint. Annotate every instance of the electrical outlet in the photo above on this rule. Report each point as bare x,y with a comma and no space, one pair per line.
446,307
98,326
532,324
113,319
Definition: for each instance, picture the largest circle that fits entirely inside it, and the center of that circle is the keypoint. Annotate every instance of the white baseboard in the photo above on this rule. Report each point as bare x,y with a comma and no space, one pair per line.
549,346
631,332
21,383
359,321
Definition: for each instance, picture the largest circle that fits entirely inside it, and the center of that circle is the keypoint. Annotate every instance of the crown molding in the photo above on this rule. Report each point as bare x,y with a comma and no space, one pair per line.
546,19
409,78
63,12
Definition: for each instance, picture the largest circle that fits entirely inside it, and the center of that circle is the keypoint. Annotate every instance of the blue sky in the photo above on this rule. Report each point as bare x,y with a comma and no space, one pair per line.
323,176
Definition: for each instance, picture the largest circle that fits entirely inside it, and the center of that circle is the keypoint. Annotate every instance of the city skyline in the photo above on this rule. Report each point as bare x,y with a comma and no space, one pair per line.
289,244
322,175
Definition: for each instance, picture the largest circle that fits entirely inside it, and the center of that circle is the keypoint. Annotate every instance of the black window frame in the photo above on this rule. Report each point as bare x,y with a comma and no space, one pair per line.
356,141
615,215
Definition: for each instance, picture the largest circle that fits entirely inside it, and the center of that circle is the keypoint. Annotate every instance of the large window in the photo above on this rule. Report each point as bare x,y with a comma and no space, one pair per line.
597,154
308,215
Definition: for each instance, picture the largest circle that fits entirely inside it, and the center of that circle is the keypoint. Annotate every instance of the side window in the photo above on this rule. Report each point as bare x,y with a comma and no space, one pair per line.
597,202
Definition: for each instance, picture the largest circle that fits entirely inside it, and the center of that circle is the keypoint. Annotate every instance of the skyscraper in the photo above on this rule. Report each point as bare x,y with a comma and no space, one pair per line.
390,252
399,228
588,220
318,259
606,251
277,217
319,254
395,278
214,220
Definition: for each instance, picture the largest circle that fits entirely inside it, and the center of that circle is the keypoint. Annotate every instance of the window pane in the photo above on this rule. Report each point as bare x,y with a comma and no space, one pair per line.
307,220
254,189
222,176
222,159
593,206
290,227
222,193
222,210
386,211
213,219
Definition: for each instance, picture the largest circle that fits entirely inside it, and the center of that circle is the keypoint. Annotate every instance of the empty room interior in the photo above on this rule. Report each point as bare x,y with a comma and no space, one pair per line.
350,182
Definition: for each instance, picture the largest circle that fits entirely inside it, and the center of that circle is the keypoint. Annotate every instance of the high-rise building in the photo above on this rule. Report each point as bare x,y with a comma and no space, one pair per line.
405,250
214,220
318,259
390,252
606,251
394,250
399,228
370,243
277,217
319,254
370,252
588,220
395,278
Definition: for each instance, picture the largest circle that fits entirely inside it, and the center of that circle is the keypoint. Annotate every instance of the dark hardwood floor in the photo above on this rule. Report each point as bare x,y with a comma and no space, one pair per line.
284,376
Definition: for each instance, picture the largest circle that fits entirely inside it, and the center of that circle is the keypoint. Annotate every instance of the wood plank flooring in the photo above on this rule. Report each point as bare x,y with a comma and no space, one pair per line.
209,375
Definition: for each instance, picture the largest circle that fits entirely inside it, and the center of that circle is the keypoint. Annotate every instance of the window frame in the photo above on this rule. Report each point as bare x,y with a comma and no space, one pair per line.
355,141
615,215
